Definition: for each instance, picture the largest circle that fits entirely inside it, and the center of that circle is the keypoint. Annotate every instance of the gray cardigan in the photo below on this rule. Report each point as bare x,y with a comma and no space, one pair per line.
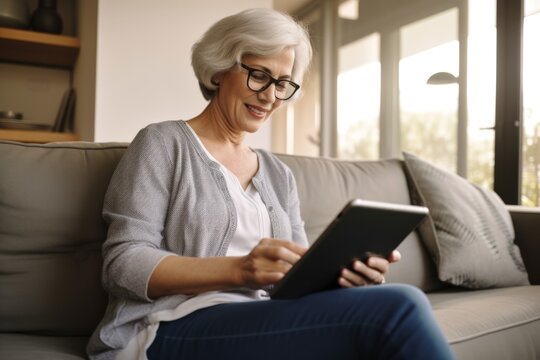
166,196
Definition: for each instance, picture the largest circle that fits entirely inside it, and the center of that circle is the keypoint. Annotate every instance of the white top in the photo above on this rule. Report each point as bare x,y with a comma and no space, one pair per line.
253,224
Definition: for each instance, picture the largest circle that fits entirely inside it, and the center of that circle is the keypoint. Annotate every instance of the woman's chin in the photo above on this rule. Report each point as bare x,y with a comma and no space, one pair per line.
253,124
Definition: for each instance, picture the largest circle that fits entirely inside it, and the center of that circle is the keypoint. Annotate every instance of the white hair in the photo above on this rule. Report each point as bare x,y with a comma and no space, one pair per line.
260,32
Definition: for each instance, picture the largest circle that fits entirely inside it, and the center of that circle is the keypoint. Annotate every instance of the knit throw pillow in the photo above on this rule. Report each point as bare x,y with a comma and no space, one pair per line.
469,232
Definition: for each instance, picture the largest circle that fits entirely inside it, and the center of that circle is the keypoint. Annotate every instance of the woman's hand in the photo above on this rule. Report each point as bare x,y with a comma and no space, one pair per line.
268,262
370,272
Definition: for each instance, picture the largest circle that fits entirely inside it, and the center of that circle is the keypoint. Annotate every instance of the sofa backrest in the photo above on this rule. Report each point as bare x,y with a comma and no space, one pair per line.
51,231
326,185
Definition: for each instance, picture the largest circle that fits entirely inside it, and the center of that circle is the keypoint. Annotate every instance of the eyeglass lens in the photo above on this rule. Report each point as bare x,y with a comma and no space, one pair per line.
259,80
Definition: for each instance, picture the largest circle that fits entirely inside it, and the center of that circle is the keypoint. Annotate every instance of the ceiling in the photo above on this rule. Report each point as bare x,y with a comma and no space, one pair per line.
289,6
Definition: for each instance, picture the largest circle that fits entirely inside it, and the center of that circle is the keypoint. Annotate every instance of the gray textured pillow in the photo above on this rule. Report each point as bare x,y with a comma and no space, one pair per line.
469,232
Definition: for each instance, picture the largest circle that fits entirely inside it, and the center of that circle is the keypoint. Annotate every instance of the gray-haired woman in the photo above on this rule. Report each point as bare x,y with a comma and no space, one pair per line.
200,224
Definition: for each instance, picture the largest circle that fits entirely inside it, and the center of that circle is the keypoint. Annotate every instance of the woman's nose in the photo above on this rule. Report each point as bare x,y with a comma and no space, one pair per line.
268,94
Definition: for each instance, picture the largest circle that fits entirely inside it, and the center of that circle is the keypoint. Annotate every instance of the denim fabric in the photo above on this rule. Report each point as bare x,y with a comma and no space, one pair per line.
373,322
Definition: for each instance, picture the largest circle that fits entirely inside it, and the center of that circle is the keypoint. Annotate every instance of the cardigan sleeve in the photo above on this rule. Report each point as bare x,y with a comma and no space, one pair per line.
135,209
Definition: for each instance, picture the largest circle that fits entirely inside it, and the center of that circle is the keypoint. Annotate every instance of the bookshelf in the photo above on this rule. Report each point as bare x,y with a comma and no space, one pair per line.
39,49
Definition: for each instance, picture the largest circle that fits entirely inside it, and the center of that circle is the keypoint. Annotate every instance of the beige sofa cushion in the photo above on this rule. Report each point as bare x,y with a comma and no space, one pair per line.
325,186
51,233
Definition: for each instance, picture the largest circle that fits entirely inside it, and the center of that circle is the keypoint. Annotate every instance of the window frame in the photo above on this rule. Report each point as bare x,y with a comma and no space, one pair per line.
508,110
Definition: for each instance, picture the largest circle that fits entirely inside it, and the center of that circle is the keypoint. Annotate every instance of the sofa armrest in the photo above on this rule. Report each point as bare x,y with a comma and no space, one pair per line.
526,222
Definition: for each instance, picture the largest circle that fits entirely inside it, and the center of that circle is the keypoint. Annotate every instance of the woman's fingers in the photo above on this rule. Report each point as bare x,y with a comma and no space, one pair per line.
373,271
350,278
395,256
277,251
370,272
377,264
284,244
269,261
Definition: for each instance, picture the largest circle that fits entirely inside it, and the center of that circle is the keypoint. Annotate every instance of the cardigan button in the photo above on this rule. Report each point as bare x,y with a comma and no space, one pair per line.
270,208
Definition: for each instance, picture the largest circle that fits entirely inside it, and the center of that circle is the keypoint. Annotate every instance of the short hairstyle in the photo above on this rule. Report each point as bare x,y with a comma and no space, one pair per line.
260,32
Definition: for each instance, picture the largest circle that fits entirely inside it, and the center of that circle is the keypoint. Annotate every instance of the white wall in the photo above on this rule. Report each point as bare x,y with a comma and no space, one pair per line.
143,70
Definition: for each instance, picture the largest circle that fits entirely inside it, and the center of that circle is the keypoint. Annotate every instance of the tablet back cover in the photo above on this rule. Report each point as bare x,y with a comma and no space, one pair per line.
362,229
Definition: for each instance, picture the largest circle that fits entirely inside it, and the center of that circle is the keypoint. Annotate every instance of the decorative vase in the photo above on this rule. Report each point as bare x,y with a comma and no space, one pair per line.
46,19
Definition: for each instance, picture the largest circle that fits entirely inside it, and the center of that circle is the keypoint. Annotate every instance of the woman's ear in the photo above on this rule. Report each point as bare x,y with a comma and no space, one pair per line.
216,79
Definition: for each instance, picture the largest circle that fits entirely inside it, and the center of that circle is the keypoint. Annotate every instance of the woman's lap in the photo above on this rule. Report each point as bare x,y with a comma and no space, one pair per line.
390,321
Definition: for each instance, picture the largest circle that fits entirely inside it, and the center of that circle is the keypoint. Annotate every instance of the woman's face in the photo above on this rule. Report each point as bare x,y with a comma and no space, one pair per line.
244,109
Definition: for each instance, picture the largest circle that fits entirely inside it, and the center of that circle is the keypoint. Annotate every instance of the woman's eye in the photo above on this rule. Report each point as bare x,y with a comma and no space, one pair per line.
259,76
281,86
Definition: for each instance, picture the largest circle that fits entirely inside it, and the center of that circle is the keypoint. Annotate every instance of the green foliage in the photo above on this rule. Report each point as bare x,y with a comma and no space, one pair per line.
433,136
530,190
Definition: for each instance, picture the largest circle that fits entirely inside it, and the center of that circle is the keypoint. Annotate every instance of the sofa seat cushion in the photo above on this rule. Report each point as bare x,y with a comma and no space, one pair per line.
20,346
491,324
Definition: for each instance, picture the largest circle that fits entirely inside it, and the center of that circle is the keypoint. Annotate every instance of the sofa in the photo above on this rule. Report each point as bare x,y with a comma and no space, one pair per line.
51,232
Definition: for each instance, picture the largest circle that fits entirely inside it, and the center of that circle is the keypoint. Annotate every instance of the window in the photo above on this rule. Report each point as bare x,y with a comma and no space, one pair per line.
358,99
429,112
390,55
296,125
481,85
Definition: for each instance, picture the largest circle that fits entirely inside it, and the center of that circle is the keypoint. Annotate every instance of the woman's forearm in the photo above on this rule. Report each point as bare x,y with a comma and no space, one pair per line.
266,264
190,275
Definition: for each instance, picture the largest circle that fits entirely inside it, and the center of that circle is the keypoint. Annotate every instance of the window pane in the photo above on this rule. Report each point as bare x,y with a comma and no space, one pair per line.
530,191
358,104
481,91
428,113
295,126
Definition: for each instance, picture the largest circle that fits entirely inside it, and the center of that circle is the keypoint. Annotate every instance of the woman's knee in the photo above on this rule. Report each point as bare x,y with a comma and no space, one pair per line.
399,293
391,302
406,297
406,293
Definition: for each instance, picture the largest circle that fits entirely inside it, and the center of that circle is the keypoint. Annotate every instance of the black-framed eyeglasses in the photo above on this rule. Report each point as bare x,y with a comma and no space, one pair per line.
259,80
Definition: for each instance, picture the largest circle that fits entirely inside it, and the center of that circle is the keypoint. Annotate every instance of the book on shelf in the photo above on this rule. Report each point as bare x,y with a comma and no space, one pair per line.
64,117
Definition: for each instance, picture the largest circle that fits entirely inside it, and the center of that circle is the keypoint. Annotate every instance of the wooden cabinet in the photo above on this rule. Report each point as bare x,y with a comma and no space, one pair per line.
35,48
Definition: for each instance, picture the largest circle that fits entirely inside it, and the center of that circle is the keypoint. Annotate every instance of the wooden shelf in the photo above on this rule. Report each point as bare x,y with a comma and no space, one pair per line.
32,136
30,47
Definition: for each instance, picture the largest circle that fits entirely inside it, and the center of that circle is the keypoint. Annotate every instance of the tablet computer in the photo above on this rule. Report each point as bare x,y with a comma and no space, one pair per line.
362,229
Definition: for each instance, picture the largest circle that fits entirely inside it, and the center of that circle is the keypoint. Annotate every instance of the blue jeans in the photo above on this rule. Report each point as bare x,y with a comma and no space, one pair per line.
372,322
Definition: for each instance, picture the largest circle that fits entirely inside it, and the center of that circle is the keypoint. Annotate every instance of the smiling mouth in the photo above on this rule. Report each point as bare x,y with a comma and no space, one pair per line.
256,111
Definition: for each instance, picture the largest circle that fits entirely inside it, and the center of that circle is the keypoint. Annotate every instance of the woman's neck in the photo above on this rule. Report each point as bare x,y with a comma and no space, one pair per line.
213,125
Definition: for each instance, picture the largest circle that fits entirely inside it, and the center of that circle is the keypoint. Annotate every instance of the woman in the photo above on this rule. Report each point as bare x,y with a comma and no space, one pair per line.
200,225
